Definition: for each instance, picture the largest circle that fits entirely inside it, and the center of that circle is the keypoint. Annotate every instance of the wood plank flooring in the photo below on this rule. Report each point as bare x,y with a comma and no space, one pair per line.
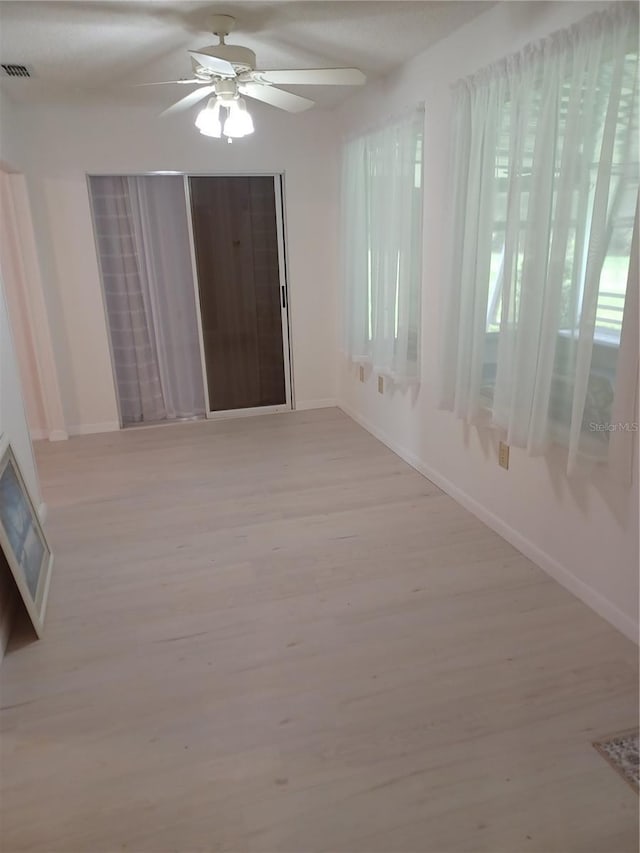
271,635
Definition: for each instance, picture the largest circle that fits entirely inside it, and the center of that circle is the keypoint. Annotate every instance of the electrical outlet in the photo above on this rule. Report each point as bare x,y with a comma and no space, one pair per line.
362,373
380,385
503,455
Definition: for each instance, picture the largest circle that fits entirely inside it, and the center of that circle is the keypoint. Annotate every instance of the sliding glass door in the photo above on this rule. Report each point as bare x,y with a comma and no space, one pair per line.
142,238
242,294
193,274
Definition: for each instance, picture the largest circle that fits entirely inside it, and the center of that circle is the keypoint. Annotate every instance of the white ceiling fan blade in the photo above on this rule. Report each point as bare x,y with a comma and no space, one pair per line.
218,66
189,100
314,77
276,97
166,83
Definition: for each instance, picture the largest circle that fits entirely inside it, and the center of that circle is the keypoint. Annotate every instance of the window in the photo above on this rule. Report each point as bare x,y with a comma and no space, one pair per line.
382,215
545,193
613,278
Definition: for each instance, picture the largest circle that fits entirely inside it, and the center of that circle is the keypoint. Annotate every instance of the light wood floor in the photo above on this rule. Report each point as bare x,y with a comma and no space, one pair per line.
273,635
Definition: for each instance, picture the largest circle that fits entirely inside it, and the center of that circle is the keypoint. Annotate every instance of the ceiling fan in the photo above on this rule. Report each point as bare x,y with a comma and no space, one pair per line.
228,72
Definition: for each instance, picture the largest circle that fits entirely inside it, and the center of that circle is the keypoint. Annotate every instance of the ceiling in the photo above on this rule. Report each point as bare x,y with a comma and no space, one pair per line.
96,49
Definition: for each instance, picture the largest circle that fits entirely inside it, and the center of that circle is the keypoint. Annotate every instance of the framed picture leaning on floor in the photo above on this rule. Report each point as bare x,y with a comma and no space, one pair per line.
23,541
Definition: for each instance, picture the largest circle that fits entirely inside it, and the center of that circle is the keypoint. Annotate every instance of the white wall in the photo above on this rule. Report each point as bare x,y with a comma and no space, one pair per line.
11,139
584,533
13,431
64,143
11,269
13,419
24,291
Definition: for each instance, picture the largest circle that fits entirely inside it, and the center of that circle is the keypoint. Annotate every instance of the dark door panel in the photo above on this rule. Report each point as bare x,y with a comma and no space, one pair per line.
236,247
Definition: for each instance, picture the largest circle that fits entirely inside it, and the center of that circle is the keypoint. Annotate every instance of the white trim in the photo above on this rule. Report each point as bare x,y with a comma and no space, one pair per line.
328,403
589,596
43,511
45,594
90,429
209,174
38,434
58,435
196,289
285,271
283,289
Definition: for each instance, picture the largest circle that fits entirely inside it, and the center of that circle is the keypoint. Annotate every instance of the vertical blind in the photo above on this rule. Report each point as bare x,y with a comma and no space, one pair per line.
544,199
382,239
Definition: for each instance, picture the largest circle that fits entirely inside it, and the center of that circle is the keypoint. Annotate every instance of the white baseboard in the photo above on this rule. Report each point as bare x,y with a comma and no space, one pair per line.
43,509
90,429
591,597
45,435
304,405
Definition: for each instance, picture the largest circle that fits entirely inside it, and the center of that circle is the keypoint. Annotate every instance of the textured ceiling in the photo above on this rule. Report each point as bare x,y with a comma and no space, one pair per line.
79,49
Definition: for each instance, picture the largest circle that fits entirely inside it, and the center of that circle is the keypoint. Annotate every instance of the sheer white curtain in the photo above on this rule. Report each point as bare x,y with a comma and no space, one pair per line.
160,226
143,246
544,202
382,239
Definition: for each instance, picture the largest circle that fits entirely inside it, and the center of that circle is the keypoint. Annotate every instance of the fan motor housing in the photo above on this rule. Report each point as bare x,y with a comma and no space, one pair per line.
241,58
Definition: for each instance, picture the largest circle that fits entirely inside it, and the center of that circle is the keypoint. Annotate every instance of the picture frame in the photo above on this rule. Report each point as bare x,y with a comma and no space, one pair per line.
23,541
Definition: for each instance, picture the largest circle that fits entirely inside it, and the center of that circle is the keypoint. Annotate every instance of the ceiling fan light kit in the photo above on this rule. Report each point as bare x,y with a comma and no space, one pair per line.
208,119
230,72
239,122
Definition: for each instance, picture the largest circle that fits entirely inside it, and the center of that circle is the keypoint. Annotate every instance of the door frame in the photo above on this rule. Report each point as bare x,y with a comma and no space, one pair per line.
278,185
281,224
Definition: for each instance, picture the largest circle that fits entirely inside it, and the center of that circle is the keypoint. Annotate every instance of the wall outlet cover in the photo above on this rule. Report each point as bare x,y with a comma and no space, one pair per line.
503,455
